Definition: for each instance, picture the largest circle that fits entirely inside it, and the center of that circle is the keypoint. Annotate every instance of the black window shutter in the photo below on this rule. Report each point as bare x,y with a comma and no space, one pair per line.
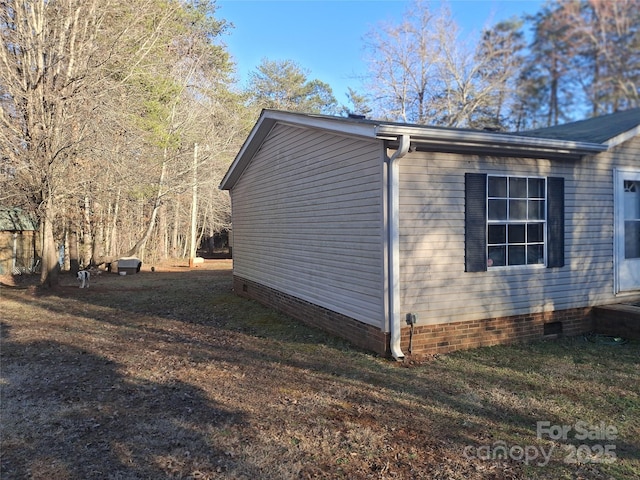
475,222
555,222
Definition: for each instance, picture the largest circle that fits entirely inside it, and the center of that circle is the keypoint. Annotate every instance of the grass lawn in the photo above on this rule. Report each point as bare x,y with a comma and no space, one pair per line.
168,374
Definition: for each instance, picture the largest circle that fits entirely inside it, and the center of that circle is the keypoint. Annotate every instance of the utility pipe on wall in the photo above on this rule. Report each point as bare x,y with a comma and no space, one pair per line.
394,245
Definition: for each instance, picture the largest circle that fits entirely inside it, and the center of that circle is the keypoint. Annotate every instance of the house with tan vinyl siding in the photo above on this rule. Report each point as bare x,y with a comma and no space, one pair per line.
416,239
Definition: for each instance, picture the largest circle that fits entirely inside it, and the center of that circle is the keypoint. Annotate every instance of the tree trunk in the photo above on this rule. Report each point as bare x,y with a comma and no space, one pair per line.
87,234
161,248
50,267
74,258
66,259
175,229
98,245
113,241
193,248
139,246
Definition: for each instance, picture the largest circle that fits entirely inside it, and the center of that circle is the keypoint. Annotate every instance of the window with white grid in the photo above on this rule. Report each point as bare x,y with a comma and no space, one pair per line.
516,220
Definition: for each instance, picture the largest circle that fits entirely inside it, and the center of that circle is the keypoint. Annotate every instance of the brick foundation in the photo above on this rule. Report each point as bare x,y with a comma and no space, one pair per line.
358,333
426,339
447,337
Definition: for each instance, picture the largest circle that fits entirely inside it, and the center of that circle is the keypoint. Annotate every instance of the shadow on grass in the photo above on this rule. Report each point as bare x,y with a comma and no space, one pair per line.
468,398
72,415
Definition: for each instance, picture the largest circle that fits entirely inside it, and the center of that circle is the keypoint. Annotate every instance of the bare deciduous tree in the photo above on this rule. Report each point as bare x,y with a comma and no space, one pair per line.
421,71
585,57
48,59
605,49
97,114
403,66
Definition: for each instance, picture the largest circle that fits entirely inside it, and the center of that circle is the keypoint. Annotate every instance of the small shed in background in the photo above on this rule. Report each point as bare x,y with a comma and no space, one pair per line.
18,241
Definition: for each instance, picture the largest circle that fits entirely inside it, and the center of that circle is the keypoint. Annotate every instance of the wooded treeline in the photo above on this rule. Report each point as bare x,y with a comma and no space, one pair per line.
573,59
103,104
115,116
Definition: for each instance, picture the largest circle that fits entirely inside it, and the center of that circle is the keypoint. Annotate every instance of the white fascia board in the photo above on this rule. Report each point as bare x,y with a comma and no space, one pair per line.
623,137
463,140
511,143
341,125
250,146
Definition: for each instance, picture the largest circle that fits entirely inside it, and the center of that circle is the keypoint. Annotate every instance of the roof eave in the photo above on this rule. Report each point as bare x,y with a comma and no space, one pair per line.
426,138
249,148
623,137
491,143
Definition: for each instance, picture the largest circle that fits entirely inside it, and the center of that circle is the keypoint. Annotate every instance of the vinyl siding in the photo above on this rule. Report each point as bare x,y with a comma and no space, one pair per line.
434,283
308,220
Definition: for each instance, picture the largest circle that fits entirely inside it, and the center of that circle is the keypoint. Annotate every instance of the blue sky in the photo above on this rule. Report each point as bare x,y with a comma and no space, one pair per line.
327,37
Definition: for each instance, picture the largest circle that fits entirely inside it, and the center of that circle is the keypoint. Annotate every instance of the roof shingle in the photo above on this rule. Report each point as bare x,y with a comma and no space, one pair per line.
595,130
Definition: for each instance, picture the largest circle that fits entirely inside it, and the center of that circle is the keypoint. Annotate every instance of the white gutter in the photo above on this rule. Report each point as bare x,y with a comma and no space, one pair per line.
394,245
508,142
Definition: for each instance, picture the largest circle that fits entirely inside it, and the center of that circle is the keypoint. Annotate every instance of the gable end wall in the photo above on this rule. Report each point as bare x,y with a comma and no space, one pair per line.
308,221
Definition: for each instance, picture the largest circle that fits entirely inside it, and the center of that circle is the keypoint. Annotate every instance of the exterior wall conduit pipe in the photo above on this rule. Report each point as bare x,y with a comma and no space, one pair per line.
394,245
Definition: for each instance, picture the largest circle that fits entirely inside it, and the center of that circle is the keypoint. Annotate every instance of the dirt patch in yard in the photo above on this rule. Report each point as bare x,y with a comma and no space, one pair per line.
168,374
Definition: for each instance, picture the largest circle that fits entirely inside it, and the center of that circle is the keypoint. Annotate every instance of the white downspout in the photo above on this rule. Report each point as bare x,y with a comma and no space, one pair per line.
394,245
